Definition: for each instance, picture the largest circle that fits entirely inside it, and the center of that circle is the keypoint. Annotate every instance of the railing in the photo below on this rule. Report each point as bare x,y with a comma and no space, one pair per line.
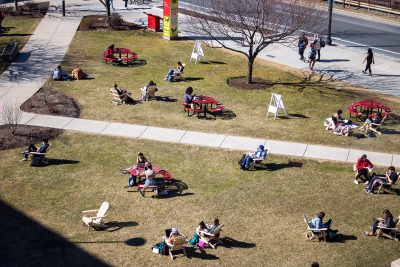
389,6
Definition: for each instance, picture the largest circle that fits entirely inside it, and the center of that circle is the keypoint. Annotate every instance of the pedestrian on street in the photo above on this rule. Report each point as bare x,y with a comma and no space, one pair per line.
370,60
111,4
302,44
311,56
126,3
317,45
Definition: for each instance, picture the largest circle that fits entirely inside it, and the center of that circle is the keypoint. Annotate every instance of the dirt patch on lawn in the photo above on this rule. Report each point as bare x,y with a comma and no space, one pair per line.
50,102
25,135
100,23
241,83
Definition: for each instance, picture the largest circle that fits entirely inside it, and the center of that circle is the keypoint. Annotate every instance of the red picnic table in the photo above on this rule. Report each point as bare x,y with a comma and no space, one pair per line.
124,56
368,108
204,104
138,171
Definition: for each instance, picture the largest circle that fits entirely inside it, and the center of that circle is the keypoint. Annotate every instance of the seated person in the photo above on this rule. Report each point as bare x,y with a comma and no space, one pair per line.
110,54
196,236
78,74
169,239
368,123
188,97
145,90
141,160
171,72
212,227
336,120
387,221
150,179
389,179
363,167
123,94
317,223
259,154
33,148
60,75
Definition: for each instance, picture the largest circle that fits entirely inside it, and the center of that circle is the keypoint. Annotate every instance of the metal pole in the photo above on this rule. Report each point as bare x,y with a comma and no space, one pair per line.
330,7
63,7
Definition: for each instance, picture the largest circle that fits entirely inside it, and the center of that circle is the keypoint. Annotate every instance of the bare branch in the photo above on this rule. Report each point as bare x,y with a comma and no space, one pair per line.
11,116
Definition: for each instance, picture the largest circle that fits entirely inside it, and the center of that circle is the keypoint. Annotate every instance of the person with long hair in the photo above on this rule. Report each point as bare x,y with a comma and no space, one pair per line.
387,221
370,60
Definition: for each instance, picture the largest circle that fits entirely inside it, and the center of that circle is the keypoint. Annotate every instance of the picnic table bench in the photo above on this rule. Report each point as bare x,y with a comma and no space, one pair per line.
203,104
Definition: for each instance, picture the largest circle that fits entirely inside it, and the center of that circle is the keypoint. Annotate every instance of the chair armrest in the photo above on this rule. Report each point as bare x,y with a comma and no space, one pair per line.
167,243
94,218
321,229
37,153
206,233
85,211
258,159
385,228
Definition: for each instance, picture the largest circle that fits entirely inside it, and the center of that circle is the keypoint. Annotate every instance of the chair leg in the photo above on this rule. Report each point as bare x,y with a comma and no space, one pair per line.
170,254
184,252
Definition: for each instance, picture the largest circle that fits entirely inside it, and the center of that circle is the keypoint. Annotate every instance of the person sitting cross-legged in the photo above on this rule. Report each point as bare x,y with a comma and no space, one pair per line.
387,222
362,168
259,154
33,148
390,178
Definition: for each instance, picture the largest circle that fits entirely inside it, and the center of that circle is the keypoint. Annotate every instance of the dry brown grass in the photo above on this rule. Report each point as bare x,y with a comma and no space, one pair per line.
262,210
314,101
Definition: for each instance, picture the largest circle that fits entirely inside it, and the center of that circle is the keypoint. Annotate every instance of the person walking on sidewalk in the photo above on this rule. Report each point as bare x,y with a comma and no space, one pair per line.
311,56
126,3
370,60
111,2
302,44
317,45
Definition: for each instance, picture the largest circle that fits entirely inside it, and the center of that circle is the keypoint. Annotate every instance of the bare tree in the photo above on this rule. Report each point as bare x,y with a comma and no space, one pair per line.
249,26
15,5
11,116
106,4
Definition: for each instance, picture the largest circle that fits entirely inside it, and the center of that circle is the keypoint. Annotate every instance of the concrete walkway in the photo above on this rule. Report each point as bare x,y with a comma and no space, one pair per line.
48,45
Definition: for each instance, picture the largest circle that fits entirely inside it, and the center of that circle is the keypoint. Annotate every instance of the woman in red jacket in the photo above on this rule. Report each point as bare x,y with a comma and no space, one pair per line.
363,167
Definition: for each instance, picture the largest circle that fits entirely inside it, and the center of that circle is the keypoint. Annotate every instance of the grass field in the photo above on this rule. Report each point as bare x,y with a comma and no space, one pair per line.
18,29
262,210
311,103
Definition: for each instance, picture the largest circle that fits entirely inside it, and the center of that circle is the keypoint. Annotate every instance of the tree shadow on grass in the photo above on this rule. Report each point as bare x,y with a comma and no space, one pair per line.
200,254
229,242
212,62
166,99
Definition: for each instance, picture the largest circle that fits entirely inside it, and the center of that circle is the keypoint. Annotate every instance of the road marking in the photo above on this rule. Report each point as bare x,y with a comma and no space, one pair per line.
376,48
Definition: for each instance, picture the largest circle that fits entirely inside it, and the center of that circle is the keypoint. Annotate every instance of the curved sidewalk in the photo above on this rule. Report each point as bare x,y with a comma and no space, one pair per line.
46,49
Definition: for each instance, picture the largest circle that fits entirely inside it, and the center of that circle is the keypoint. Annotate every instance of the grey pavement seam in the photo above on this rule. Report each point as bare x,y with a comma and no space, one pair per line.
222,141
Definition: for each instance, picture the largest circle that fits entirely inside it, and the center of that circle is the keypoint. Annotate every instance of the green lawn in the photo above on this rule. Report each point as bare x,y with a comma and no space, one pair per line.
262,210
315,101
18,29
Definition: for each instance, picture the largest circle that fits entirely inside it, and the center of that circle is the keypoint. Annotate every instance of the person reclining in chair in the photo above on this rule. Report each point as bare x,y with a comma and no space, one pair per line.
372,122
259,154
33,148
212,227
144,95
317,223
389,179
78,74
387,222
171,72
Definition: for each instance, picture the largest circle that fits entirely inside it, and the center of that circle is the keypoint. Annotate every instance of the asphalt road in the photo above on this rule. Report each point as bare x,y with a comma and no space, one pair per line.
353,31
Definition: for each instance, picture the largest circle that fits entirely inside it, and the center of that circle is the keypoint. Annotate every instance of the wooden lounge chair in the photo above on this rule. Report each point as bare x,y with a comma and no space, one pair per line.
39,159
178,245
314,234
390,233
150,94
375,127
388,188
117,98
97,221
212,239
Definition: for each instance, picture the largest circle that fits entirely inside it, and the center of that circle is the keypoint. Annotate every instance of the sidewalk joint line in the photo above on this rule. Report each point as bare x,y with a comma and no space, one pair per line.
140,135
108,124
348,154
222,141
179,141
305,150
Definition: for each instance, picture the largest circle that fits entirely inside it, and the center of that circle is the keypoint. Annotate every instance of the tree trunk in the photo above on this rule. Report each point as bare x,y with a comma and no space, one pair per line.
15,5
108,9
250,69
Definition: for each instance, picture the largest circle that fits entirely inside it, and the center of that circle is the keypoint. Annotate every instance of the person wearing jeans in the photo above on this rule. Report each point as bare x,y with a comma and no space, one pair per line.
390,178
363,167
386,222
33,148
260,154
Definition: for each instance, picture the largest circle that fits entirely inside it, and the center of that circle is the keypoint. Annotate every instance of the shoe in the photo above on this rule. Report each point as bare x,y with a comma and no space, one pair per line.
364,72
370,74
367,182
370,192
356,182
23,159
366,233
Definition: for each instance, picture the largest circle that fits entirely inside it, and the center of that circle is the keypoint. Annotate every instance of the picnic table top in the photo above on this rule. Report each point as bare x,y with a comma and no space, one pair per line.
205,100
369,104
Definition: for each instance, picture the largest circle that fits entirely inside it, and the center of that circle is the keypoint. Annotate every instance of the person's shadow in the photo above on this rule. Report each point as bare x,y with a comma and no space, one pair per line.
191,252
229,242
341,238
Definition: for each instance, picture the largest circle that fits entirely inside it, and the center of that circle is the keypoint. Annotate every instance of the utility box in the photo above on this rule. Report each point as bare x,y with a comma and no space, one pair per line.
153,22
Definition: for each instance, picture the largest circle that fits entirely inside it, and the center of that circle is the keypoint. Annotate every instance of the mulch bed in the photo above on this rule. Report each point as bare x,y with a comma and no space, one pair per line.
43,102
50,102
25,135
241,83
29,9
99,23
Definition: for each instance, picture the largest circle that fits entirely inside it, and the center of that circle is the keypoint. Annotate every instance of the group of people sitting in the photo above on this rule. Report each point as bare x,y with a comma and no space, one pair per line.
201,235
77,74
364,167
341,126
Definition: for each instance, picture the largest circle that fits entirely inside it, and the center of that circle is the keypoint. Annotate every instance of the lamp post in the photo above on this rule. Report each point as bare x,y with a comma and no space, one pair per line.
63,8
330,7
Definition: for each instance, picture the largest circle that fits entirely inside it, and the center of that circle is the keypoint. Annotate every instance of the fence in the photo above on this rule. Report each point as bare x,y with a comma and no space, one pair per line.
390,6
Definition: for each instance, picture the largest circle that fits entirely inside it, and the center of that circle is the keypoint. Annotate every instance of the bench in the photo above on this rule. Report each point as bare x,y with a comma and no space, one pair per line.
9,52
187,107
